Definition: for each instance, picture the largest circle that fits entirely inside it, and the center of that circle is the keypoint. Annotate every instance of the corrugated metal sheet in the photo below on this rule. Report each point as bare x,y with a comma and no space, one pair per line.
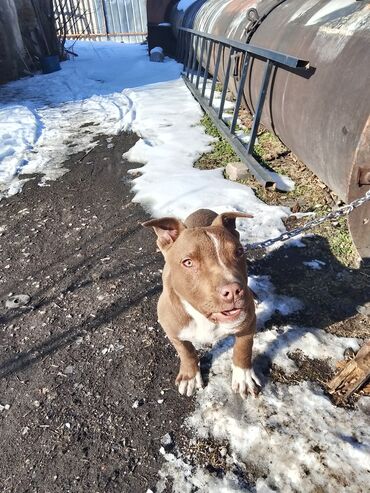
115,20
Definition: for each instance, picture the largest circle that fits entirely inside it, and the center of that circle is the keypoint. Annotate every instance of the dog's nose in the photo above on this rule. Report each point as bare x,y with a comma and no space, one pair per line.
230,292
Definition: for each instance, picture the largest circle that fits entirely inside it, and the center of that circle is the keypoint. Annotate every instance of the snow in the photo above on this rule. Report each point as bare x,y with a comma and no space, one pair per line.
45,118
291,435
156,49
315,264
168,184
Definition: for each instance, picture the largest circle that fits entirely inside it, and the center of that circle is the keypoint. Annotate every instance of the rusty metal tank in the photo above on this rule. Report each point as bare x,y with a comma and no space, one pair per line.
323,119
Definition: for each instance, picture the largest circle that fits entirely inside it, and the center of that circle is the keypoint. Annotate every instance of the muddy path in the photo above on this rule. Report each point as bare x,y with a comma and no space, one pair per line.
84,367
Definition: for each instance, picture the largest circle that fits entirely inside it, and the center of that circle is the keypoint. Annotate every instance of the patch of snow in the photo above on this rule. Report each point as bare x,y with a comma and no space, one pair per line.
295,242
315,264
268,302
45,118
283,182
156,49
168,184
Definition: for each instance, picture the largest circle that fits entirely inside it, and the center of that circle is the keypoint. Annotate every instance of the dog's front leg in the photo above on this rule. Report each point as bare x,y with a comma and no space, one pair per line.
189,378
244,379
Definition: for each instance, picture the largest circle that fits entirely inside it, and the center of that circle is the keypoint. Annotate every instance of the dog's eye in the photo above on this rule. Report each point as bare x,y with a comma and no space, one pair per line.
187,262
239,252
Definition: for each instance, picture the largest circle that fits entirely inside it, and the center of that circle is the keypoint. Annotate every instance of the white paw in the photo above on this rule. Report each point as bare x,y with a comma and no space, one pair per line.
244,381
188,387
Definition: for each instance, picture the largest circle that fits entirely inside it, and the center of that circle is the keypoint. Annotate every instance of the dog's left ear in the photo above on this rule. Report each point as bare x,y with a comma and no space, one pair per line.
167,229
227,220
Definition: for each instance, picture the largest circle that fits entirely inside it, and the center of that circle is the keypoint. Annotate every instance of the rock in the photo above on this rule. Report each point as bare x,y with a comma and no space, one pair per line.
156,54
17,300
167,442
237,171
223,451
138,403
364,309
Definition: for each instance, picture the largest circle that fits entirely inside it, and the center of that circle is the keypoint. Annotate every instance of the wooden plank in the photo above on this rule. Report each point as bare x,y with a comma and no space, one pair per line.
353,376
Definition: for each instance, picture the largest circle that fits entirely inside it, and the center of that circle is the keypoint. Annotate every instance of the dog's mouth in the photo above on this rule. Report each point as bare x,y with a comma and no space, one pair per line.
228,315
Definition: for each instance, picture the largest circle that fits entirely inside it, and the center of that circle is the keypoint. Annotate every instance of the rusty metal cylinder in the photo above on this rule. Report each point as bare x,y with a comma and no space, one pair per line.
324,118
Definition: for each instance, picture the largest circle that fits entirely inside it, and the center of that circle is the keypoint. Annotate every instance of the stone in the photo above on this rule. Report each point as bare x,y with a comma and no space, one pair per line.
17,300
364,309
156,54
167,442
237,171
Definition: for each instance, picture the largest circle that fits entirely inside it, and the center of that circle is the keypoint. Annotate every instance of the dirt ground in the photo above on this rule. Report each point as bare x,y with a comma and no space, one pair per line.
86,374
84,367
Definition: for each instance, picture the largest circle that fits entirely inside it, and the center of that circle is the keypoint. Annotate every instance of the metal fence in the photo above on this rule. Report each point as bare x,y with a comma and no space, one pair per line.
115,20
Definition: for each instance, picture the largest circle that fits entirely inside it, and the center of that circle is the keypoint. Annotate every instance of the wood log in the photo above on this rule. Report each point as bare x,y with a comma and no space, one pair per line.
353,376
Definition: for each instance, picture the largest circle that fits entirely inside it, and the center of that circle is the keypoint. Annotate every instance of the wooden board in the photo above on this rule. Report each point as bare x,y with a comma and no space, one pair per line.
353,376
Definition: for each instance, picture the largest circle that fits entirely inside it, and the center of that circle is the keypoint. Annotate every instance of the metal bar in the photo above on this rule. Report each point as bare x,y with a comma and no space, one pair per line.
185,50
226,83
263,53
183,47
194,58
206,70
178,45
261,174
214,78
261,100
190,54
239,94
200,62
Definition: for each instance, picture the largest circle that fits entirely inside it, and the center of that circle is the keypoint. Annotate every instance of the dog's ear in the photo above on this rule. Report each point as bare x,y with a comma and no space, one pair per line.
167,230
227,220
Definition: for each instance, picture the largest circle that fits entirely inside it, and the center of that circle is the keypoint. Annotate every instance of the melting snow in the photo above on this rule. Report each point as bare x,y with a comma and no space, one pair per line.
315,264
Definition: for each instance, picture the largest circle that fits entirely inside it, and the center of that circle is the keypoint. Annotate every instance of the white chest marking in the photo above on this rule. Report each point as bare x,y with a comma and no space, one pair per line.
202,331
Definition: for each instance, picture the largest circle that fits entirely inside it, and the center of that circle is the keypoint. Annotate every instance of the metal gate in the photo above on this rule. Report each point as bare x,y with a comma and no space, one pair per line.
115,20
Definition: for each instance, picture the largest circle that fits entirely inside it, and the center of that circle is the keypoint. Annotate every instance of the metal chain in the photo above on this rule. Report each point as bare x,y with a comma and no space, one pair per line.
342,211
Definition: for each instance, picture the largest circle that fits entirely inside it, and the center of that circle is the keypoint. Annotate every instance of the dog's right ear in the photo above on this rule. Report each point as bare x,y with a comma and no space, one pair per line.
167,229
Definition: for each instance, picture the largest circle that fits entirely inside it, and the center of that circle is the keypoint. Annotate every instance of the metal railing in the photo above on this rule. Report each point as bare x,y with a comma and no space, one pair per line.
195,50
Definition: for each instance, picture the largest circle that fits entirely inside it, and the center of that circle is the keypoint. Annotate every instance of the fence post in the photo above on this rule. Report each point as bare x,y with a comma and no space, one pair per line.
105,18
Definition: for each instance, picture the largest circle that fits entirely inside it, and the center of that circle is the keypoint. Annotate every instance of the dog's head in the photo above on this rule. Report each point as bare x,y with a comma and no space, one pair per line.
206,265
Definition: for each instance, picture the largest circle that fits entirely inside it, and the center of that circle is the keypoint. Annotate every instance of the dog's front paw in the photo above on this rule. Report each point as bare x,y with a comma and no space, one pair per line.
187,385
244,381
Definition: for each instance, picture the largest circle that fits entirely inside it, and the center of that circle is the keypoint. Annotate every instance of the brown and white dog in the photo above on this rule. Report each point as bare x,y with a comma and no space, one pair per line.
205,294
